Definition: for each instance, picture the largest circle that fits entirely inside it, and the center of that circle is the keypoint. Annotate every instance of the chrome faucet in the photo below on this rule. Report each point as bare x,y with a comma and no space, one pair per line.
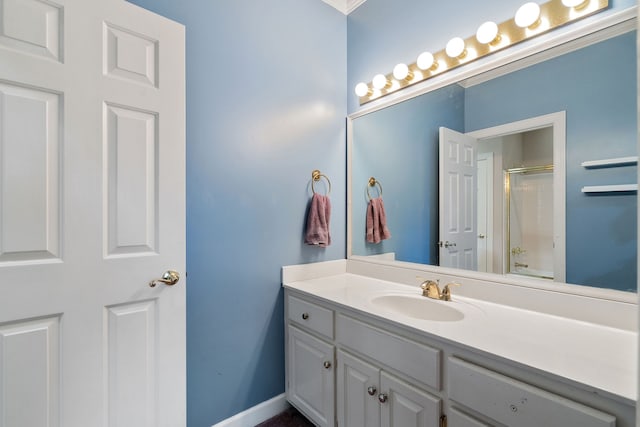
430,289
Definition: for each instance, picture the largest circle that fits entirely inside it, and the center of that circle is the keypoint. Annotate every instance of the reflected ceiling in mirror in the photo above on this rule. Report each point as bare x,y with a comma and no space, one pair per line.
595,86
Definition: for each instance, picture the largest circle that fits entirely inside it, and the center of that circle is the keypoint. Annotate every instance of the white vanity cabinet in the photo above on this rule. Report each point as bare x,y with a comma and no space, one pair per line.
350,368
369,396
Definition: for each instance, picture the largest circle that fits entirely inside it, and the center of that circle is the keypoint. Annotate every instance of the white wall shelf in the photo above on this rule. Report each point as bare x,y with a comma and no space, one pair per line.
609,188
606,163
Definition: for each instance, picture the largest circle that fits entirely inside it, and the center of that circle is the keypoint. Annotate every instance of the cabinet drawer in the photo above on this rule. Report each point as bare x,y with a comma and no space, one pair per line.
314,317
415,360
460,419
515,403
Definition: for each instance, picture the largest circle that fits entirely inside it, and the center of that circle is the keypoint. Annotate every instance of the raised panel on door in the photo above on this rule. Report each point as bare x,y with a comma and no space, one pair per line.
29,174
132,176
358,385
407,405
30,372
311,378
131,370
130,55
32,26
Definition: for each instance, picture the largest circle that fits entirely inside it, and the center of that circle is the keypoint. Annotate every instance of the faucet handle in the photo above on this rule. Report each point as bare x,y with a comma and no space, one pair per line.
430,289
446,292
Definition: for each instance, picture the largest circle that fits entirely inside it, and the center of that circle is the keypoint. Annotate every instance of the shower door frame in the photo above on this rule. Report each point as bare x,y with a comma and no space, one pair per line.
507,214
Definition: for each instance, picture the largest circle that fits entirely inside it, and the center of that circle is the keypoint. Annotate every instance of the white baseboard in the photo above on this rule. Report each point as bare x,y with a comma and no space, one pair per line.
257,414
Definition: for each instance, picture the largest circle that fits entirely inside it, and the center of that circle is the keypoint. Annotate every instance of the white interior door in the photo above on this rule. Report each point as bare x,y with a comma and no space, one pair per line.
92,194
457,200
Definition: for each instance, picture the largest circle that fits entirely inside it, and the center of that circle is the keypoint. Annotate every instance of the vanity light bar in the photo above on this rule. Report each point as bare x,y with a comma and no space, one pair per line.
552,15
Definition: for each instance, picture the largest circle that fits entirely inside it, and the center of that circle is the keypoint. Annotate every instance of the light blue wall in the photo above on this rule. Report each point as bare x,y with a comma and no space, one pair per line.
266,102
399,147
596,86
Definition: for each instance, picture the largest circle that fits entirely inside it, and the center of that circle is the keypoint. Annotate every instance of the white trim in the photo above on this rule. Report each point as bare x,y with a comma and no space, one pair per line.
341,5
257,414
345,6
353,5
489,202
558,122
350,193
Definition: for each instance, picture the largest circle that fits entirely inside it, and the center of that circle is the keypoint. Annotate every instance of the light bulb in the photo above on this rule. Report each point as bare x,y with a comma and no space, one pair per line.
379,81
527,15
455,47
487,32
401,72
575,3
425,61
362,89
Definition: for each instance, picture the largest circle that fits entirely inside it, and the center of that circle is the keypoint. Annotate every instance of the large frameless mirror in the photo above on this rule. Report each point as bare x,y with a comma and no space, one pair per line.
550,151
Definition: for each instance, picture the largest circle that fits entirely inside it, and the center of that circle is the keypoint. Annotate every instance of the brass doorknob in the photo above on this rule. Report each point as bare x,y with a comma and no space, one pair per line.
169,278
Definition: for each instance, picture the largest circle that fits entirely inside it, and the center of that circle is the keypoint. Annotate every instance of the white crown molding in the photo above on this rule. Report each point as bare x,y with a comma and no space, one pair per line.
345,6
353,5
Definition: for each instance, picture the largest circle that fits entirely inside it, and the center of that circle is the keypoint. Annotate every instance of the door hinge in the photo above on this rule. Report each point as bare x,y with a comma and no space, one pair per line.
443,421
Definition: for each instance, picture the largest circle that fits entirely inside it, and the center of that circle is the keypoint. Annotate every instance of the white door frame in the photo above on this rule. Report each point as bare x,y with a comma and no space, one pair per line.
557,121
487,205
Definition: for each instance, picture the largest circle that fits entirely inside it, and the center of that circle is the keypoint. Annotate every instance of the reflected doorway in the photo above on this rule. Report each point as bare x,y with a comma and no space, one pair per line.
536,146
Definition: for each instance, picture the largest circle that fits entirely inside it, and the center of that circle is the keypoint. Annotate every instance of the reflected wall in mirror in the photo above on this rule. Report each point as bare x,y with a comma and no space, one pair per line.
595,87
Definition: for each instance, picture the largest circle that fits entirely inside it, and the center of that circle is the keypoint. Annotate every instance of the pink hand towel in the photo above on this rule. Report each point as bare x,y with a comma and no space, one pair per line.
318,221
377,221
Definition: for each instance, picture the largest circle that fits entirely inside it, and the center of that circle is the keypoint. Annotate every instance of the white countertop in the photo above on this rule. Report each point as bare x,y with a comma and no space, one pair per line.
597,356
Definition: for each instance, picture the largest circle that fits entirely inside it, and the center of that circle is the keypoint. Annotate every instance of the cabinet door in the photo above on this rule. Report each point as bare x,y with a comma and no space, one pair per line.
357,394
403,405
311,377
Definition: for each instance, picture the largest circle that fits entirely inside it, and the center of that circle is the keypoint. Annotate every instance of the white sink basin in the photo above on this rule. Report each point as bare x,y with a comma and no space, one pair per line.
418,307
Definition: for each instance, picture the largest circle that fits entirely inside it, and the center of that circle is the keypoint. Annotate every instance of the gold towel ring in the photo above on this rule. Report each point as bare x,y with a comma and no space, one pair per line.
372,183
315,176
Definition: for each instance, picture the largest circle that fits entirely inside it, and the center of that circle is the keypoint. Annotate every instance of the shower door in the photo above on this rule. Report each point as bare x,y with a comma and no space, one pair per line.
529,234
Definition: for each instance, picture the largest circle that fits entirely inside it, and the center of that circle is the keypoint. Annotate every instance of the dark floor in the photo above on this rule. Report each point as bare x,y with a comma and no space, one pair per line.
289,418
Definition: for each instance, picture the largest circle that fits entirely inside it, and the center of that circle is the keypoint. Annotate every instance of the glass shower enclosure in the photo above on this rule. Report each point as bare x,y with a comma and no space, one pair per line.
529,225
